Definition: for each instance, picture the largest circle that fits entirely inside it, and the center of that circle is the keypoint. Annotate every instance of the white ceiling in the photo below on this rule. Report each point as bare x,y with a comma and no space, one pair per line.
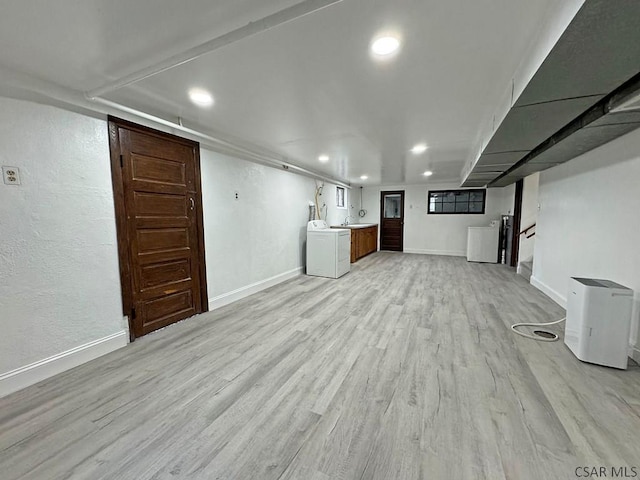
303,88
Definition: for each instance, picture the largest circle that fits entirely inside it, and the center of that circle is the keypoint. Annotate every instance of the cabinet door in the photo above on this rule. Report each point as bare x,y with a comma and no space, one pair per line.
370,240
354,246
375,239
362,243
365,241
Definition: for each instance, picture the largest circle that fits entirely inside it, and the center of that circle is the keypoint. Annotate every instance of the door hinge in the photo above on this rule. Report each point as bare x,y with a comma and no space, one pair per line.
121,161
133,313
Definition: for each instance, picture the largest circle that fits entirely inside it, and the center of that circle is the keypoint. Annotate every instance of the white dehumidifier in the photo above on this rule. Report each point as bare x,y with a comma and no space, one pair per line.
598,321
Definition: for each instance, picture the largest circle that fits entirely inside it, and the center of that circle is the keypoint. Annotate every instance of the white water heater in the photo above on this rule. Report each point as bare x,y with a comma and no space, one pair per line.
598,321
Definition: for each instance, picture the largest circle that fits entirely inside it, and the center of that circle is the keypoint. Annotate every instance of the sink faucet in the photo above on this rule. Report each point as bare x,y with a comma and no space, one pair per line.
346,220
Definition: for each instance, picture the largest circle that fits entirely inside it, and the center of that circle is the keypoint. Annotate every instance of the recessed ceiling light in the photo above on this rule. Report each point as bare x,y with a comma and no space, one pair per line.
428,173
323,158
363,177
200,97
419,148
386,45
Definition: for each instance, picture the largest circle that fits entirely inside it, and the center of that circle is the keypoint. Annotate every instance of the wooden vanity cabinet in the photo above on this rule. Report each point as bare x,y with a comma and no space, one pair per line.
363,241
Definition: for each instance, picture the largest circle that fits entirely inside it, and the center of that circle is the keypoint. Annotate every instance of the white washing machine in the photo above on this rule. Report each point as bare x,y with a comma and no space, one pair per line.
328,250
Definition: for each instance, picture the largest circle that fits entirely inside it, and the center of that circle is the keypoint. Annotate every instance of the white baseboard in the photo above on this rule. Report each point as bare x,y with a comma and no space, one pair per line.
521,268
30,374
243,292
549,292
449,253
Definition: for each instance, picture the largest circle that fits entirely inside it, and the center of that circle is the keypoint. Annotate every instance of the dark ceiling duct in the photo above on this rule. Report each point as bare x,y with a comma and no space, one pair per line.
571,104
600,124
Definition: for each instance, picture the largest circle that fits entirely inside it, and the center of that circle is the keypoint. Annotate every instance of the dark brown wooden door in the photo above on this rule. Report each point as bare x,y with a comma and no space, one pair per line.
158,207
517,219
392,220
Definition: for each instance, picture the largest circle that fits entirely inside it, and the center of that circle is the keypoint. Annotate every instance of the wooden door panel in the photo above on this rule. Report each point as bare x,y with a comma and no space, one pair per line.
159,147
150,240
168,309
161,291
157,187
168,305
163,256
160,182
148,204
149,223
150,169
164,274
393,230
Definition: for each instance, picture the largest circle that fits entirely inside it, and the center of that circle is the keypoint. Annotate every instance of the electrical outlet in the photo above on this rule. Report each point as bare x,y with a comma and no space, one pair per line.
237,195
11,175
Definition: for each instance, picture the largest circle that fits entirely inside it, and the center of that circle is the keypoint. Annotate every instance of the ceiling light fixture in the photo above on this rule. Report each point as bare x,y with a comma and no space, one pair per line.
428,173
419,148
200,97
363,177
386,45
323,158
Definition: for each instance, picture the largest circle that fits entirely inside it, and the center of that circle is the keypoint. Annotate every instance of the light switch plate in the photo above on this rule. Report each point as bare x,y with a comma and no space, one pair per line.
11,175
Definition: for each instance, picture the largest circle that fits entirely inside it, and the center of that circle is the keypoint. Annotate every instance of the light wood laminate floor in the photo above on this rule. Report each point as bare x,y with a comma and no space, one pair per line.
403,369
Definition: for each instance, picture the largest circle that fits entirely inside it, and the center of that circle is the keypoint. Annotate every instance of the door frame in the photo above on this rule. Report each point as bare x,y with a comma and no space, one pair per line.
122,232
392,192
517,219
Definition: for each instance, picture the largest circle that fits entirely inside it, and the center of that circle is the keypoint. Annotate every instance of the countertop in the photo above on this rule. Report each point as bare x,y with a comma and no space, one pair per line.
353,226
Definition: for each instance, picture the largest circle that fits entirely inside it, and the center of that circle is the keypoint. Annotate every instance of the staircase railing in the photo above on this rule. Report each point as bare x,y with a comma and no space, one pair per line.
527,229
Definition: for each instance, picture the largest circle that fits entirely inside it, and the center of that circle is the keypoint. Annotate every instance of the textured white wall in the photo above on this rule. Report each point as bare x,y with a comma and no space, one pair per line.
59,280
435,234
259,236
588,224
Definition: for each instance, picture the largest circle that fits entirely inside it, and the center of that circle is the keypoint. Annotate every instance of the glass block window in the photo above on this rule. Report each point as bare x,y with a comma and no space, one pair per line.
451,202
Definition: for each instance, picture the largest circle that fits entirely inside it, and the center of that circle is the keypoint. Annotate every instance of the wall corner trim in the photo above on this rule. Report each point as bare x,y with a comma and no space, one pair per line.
243,292
35,372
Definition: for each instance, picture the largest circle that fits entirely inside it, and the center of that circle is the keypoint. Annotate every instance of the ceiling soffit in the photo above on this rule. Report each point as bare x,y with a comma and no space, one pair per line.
593,66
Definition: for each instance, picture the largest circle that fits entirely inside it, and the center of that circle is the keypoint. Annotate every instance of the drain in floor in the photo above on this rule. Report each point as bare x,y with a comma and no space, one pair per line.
545,334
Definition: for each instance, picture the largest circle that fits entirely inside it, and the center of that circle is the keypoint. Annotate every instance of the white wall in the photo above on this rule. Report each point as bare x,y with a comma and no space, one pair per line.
435,234
588,224
258,238
529,216
59,279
